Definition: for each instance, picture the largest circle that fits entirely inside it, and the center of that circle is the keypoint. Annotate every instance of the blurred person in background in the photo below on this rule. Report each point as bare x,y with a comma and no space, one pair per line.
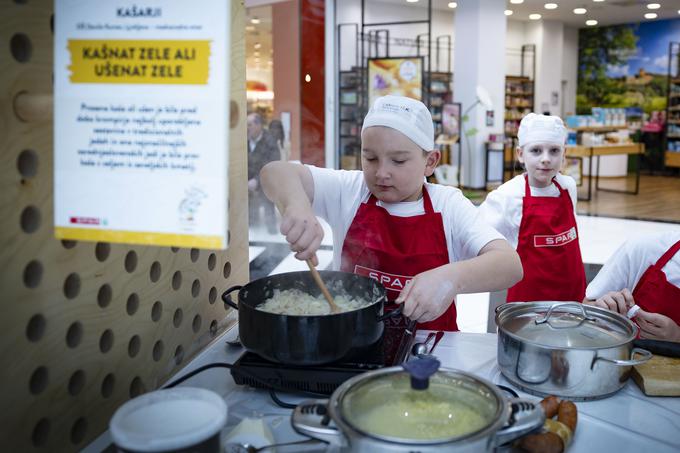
262,149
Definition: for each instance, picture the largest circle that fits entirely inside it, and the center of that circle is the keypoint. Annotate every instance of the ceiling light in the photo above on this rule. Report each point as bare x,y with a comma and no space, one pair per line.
516,2
534,16
255,20
407,1
653,6
550,6
452,5
591,22
308,78
257,45
508,12
598,1
580,10
650,15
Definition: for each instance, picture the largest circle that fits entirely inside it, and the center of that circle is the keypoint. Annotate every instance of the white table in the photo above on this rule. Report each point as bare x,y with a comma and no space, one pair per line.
626,422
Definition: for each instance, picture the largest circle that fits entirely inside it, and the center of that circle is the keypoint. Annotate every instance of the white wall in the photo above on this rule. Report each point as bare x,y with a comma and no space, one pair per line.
570,70
514,40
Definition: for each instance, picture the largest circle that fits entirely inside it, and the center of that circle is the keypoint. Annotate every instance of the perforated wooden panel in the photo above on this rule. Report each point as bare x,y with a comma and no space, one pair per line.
86,326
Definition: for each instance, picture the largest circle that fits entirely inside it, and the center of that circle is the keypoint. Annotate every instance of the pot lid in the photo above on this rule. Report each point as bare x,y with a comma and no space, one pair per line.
418,403
565,325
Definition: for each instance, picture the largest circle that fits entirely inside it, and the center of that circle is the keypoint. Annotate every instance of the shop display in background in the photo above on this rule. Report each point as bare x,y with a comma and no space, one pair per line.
519,101
441,95
350,118
672,148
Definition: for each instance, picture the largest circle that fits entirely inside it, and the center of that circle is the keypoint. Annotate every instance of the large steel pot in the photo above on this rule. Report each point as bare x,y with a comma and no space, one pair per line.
415,408
309,340
568,349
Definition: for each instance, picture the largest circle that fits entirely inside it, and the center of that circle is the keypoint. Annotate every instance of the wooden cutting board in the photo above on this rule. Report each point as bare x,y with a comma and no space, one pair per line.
659,377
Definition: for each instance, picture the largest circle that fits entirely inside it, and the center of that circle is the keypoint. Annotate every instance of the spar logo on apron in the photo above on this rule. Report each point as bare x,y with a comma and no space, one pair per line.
392,282
555,240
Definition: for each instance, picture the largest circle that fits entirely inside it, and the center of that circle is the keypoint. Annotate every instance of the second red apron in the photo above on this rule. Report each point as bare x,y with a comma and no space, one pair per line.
654,293
394,249
549,249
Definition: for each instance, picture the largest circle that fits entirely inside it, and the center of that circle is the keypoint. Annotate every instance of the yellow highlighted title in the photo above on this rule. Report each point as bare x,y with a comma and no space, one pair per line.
143,238
139,61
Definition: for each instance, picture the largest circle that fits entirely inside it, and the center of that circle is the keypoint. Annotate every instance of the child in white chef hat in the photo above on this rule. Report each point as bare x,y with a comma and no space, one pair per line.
426,243
536,212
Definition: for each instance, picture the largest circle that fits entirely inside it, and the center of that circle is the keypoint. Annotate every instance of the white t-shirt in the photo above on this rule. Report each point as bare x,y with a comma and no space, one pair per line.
502,208
338,193
626,266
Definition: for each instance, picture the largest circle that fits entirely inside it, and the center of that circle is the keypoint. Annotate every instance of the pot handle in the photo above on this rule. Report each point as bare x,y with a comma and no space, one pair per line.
226,297
311,418
526,416
646,355
391,314
585,315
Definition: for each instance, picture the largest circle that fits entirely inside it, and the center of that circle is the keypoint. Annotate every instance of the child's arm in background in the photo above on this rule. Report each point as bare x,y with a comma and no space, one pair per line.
291,188
430,293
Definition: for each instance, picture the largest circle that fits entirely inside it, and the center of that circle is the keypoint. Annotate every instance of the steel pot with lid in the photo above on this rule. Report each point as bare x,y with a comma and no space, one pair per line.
417,408
568,349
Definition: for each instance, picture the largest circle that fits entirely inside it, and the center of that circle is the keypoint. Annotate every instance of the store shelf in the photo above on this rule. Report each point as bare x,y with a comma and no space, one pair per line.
604,150
672,159
598,128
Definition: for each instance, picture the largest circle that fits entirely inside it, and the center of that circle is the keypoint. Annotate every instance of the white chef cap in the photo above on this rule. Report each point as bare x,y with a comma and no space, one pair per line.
406,115
541,128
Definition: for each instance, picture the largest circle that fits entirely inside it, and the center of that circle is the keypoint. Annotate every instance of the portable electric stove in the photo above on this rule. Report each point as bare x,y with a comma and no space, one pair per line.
392,349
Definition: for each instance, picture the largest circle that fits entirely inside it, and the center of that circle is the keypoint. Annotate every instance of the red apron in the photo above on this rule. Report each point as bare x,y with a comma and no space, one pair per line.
393,249
654,293
549,249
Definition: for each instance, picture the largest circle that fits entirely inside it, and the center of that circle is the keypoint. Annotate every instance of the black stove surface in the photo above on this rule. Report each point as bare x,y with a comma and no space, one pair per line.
392,349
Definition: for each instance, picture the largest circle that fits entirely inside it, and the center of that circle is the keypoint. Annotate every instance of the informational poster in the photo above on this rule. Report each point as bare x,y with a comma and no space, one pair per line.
398,76
141,122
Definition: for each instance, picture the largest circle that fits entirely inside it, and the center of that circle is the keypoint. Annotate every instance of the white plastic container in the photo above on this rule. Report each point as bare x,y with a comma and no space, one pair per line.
174,420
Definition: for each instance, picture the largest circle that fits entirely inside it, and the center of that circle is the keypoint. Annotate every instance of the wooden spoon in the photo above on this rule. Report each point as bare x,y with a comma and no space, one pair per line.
322,287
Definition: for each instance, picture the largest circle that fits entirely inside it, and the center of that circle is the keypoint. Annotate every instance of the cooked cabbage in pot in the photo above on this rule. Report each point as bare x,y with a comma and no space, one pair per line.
299,303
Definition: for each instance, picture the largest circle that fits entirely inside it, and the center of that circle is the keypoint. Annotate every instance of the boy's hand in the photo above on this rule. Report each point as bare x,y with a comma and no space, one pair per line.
656,326
428,295
302,230
618,301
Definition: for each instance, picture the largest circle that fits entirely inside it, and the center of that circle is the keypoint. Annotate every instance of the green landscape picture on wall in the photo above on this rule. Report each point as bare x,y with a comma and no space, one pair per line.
626,65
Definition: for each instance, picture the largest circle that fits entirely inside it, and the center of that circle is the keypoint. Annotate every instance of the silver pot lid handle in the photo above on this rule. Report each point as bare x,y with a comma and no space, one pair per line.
546,318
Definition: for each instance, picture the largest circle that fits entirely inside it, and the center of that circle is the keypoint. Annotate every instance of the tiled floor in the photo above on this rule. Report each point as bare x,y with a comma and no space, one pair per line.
599,238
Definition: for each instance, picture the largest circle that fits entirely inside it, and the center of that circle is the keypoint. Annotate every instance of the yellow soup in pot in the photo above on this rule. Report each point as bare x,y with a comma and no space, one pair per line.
420,416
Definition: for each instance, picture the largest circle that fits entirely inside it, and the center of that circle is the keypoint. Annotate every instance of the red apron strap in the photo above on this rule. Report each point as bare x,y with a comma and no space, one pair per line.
527,189
427,203
554,180
666,257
